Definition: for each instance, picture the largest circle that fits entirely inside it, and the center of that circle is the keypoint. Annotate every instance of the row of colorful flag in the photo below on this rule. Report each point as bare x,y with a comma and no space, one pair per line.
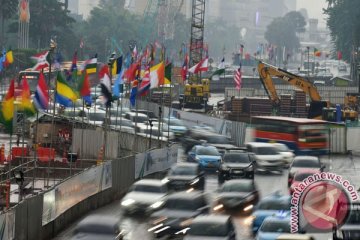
6,59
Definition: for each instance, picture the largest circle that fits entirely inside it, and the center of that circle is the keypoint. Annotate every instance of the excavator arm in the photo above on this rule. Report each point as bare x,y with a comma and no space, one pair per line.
267,71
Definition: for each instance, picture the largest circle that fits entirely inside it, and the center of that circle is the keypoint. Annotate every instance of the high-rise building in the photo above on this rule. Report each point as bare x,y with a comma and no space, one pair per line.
81,8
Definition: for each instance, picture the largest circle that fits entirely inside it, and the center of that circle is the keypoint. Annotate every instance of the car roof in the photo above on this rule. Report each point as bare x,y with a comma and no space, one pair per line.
138,114
275,196
307,158
186,195
150,182
239,181
307,170
188,164
219,219
294,236
205,146
277,219
260,144
99,220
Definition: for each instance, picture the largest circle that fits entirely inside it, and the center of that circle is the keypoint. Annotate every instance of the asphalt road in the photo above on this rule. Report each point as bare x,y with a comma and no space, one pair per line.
347,166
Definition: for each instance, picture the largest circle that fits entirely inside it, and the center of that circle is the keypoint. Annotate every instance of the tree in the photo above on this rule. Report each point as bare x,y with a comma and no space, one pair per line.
344,26
282,31
7,11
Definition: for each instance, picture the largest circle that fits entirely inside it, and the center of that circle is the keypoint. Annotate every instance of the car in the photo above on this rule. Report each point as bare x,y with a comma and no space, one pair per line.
184,176
136,117
351,228
96,227
272,227
236,164
176,126
120,123
208,156
287,153
203,127
144,196
211,227
268,206
267,156
299,176
304,162
178,212
192,138
237,194
295,236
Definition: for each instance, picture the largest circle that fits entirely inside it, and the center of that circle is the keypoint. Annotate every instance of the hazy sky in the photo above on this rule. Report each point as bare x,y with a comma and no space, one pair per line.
314,9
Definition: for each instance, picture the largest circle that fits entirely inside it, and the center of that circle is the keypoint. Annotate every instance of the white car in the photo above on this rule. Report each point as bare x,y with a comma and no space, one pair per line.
267,156
287,153
144,196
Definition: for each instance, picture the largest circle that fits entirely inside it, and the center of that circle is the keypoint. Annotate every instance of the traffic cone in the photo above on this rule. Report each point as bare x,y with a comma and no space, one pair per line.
2,153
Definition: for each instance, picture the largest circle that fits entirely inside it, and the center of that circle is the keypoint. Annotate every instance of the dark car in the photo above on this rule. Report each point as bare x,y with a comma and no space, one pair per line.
351,228
302,163
183,176
96,227
178,212
236,164
212,227
237,194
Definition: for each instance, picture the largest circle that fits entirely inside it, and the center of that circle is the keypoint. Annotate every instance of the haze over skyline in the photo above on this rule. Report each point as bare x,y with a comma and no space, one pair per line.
314,9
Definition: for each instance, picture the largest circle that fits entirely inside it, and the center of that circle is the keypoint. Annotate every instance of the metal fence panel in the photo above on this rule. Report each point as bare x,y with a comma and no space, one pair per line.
337,139
21,219
7,225
34,214
353,139
123,173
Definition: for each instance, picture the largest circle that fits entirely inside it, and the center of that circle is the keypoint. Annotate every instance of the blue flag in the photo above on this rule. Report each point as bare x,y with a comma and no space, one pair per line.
133,93
116,87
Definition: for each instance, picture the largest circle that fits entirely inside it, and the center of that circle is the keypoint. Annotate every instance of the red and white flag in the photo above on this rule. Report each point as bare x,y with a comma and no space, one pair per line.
202,66
237,78
41,61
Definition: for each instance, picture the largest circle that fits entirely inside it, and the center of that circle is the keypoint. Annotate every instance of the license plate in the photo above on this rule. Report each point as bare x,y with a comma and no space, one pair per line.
238,172
210,165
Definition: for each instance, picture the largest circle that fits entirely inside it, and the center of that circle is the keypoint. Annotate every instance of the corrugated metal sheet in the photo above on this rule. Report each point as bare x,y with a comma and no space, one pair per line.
337,139
353,139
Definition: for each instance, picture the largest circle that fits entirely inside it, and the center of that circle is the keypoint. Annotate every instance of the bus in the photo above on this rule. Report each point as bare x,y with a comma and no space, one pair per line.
304,136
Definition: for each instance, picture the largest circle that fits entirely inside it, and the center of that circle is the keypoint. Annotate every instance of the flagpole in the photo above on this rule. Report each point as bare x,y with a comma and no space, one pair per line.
82,131
35,150
52,48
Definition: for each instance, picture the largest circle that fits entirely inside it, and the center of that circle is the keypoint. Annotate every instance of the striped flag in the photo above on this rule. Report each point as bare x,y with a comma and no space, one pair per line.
237,78
41,98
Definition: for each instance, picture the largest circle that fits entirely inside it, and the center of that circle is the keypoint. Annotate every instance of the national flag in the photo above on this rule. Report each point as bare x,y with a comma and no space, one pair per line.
2,60
116,66
219,71
65,95
184,68
105,84
157,75
130,73
339,55
168,68
134,53
133,93
24,11
9,58
238,78
25,103
116,87
41,98
145,83
84,88
202,66
91,65
41,60
317,53
7,107
57,61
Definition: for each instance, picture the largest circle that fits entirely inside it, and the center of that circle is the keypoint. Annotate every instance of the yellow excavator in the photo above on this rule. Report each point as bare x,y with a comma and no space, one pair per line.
317,105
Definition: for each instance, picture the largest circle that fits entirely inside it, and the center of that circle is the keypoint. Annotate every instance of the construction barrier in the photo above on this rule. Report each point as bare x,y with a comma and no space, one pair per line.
45,154
17,152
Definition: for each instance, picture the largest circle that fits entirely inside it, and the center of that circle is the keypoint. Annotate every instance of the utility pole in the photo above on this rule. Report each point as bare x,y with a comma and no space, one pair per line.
308,68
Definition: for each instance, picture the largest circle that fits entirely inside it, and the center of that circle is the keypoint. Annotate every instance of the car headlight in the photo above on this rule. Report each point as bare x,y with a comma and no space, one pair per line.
193,182
197,158
157,204
127,202
165,180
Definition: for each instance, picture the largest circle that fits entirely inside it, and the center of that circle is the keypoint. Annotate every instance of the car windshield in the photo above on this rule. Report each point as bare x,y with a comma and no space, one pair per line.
266,151
237,187
306,163
276,226
174,122
182,204
274,205
301,176
282,148
96,116
218,139
209,229
183,170
140,119
236,158
211,151
148,188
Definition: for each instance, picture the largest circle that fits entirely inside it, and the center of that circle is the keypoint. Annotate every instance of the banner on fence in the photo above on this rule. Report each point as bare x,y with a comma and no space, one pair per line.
7,225
75,190
156,160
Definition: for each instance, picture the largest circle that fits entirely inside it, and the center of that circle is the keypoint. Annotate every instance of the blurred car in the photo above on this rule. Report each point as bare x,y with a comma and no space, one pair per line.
96,227
273,227
304,162
178,213
203,127
287,153
211,227
136,117
240,194
299,176
236,164
267,156
183,176
351,228
144,196
208,156
295,236
123,124
268,206
176,126
151,115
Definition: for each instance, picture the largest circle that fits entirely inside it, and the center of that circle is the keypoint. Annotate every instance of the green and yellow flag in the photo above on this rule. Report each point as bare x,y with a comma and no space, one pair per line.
26,104
7,108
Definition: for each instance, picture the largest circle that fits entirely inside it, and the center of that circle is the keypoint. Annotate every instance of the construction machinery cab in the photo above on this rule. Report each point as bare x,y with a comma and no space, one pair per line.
196,95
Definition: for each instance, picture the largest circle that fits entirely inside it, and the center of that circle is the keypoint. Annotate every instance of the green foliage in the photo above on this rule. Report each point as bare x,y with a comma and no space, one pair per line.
283,31
343,22
7,10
